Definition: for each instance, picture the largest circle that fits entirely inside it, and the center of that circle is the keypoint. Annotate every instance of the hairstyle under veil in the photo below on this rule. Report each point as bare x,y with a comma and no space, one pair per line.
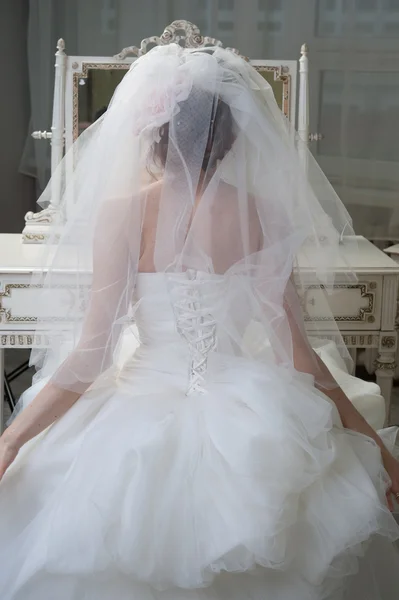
194,173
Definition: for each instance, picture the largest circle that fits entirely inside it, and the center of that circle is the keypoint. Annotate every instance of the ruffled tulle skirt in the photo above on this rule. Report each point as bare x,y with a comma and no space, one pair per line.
252,490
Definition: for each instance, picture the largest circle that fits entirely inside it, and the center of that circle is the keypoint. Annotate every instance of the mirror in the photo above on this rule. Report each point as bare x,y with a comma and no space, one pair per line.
95,85
280,84
93,90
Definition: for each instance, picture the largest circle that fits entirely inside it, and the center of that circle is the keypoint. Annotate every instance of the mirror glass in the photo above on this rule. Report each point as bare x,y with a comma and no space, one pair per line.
95,91
279,87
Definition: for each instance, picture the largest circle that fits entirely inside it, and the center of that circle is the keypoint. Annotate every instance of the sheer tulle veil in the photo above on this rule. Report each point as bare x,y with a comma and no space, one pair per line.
193,173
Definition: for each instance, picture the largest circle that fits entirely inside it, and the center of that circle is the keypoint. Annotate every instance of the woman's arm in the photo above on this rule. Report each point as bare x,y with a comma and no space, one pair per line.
50,404
110,297
306,360
350,416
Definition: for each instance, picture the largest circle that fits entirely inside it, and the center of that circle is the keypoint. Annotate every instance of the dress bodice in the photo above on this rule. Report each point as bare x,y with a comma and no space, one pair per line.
173,318
154,313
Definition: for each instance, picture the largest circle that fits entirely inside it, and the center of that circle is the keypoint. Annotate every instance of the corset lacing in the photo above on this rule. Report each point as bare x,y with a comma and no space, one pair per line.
196,326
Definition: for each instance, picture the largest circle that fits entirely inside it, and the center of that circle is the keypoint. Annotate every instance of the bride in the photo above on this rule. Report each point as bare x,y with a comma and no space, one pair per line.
206,467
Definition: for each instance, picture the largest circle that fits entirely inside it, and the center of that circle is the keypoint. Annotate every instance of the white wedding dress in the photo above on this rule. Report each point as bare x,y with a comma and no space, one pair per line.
181,478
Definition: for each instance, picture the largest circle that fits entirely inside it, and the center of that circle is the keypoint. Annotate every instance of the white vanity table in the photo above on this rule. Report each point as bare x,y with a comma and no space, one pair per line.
365,310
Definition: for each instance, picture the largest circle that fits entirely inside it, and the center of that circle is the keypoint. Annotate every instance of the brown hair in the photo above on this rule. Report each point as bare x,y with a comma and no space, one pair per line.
220,136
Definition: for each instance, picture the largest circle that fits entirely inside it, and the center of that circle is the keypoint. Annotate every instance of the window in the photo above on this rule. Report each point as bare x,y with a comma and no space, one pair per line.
359,116
226,26
269,26
392,29
226,5
361,18
391,5
270,5
327,28
108,17
366,28
366,5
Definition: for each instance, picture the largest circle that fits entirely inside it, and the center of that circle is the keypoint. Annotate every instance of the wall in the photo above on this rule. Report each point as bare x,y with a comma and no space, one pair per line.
17,191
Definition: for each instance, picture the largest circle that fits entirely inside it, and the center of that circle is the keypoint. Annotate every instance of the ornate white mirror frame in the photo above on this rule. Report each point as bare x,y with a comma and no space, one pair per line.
72,71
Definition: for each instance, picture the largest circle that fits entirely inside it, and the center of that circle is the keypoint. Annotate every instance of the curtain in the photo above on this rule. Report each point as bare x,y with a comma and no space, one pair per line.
48,21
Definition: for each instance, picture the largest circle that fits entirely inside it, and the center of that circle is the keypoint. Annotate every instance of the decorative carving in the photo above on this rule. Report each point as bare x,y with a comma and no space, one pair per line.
352,341
33,237
7,294
27,340
37,225
184,33
44,217
42,135
316,137
305,50
363,314
181,32
385,366
60,47
361,341
8,318
388,341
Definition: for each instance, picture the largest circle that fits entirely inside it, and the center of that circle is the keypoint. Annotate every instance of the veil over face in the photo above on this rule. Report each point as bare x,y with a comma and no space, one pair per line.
194,173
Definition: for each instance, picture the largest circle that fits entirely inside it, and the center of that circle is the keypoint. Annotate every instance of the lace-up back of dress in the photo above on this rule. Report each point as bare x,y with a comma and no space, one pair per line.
195,324
174,319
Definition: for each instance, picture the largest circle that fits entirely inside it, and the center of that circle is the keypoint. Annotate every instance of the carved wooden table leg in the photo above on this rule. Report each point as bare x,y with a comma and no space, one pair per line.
1,390
385,368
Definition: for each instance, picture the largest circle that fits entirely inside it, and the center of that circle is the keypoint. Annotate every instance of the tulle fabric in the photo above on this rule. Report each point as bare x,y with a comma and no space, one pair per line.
252,489
201,468
193,168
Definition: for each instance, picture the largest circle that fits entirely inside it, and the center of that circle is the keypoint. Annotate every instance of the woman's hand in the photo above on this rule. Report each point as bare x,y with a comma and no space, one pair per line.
392,468
8,453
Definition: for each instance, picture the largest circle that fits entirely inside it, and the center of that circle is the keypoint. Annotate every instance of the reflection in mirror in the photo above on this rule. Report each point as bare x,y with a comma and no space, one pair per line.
94,93
280,86
95,87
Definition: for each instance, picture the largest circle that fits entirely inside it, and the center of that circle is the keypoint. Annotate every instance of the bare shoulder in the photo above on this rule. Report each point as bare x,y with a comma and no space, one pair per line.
230,197
122,204
152,191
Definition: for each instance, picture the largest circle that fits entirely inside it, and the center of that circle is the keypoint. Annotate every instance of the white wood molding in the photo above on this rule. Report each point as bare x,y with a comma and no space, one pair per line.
303,102
42,135
24,339
2,381
389,299
58,124
385,367
37,225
